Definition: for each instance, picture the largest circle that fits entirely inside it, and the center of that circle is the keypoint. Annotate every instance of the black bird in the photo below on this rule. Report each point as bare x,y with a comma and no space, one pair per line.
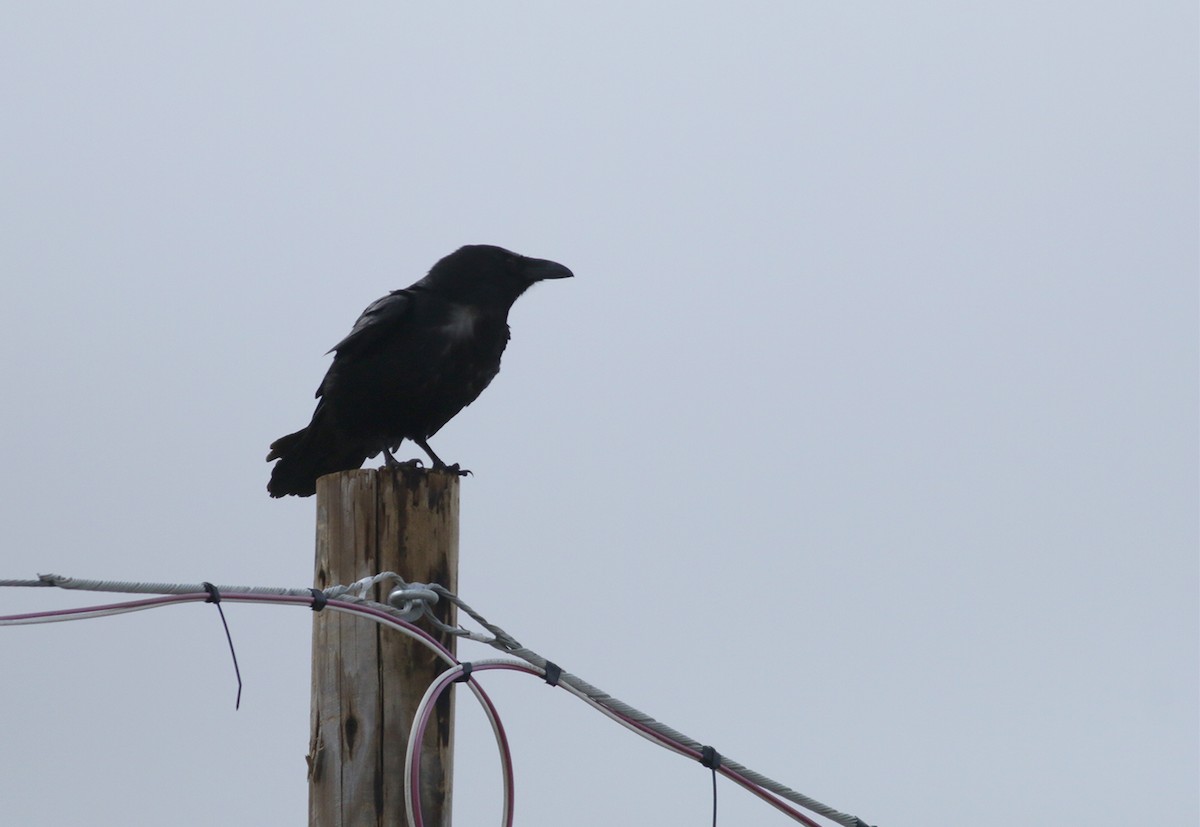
413,360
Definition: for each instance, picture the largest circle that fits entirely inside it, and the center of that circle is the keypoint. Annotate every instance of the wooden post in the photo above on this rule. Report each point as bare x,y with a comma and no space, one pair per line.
367,679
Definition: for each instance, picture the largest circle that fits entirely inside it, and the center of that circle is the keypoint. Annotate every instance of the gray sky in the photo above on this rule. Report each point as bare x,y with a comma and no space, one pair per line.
862,447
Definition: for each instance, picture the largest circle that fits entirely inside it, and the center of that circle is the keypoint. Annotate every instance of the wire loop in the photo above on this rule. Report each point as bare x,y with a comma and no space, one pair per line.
412,601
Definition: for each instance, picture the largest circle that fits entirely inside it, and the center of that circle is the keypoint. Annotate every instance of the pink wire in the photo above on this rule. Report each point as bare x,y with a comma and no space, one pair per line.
417,736
737,778
451,676
130,606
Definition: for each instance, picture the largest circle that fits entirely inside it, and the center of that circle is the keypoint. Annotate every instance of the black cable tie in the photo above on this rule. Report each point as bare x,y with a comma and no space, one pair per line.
214,596
465,675
710,758
553,673
319,599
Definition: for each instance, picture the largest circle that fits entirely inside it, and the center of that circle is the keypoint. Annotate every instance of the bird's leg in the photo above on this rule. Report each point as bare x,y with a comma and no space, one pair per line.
438,465
437,461
390,461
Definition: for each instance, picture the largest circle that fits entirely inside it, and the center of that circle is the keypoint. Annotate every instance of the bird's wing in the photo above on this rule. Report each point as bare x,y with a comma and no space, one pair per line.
379,317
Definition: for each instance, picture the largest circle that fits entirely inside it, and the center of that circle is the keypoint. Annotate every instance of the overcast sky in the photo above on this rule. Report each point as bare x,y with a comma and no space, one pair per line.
862,447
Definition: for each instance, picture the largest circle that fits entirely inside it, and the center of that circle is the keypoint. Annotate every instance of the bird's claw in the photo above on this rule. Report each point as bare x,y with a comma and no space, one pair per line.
454,469
395,463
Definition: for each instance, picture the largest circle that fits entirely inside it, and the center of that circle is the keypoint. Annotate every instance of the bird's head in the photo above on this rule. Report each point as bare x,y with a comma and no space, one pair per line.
484,274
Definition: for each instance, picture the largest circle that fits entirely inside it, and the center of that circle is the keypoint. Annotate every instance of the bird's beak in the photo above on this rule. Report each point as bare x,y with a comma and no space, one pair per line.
539,269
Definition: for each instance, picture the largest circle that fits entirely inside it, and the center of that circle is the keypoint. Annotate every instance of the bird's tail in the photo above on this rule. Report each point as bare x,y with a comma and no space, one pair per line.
307,454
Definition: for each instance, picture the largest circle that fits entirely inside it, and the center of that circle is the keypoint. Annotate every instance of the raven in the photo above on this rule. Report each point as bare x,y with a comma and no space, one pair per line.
414,359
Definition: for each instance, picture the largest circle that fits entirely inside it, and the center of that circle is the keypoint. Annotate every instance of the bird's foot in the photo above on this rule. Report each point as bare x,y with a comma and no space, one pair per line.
390,461
395,464
453,469
438,465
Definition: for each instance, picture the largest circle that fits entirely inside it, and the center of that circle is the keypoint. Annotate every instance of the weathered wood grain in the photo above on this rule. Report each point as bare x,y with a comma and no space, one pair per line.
367,679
